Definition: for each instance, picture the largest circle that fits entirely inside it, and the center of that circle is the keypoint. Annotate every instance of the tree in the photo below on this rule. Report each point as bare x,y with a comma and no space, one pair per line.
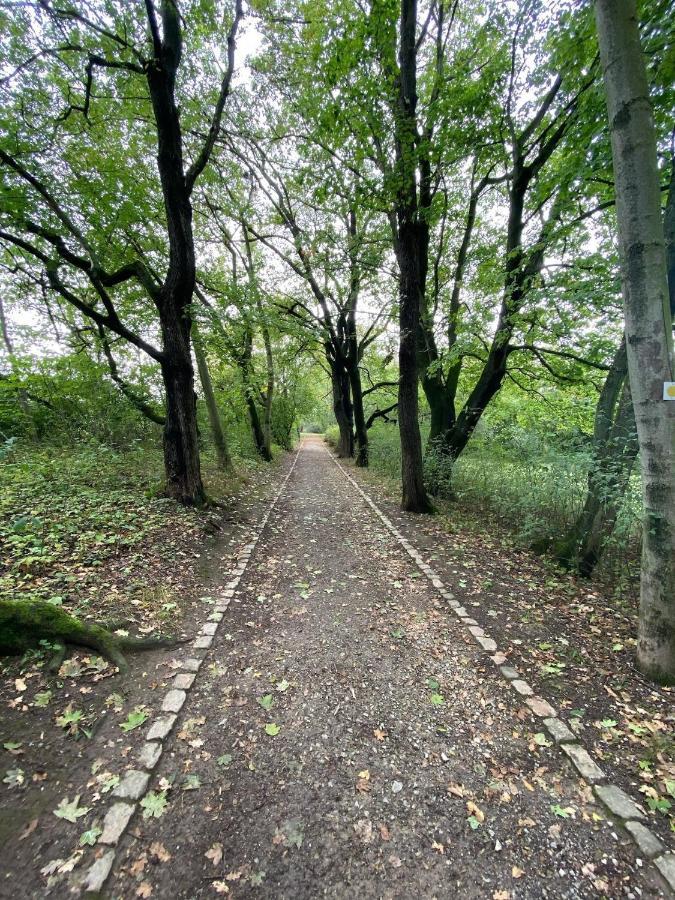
648,327
51,220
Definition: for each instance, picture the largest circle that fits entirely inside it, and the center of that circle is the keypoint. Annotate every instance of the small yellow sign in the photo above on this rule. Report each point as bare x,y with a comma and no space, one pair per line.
669,390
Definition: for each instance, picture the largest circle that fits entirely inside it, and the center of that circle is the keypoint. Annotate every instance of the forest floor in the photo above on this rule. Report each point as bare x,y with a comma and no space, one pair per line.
345,733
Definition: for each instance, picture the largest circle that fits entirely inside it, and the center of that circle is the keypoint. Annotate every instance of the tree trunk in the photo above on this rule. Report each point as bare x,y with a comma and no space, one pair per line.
245,365
181,443
648,322
361,432
223,458
411,245
615,440
602,512
342,408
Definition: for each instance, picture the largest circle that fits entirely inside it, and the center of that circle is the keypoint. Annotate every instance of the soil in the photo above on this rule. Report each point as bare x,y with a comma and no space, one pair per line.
571,640
345,737
42,762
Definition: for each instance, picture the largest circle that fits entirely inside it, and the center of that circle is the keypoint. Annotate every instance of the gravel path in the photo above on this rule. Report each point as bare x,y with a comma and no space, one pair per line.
346,737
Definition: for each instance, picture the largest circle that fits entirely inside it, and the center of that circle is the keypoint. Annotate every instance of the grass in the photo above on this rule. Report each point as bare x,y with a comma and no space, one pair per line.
533,490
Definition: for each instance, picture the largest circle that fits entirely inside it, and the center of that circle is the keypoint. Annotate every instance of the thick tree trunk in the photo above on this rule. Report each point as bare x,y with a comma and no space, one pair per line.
223,458
648,321
181,443
343,411
412,247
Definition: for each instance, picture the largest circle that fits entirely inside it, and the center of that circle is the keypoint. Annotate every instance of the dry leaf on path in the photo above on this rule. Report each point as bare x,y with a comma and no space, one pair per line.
215,853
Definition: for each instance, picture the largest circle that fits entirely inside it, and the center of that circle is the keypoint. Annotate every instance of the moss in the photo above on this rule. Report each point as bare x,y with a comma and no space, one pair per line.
23,624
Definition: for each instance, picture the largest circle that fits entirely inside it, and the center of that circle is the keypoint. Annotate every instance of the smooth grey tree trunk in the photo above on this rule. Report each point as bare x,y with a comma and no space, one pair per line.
648,327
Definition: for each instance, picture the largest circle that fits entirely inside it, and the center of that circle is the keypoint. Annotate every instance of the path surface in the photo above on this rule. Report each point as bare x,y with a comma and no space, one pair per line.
403,765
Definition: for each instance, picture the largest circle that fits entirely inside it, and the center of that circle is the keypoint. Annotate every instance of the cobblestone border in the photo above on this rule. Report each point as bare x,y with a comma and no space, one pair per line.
619,804
134,783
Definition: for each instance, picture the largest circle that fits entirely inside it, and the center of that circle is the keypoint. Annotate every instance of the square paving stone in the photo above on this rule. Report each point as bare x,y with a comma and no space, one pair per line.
160,728
618,802
191,665
203,642
184,681
150,754
583,763
666,866
540,707
97,875
173,701
116,820
560,733
650,846
132,786
522,687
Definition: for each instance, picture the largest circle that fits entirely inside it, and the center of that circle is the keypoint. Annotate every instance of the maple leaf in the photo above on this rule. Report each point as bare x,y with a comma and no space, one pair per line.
267,702
144,889
159,851
71,812
379,734
154,804
272,729
220,887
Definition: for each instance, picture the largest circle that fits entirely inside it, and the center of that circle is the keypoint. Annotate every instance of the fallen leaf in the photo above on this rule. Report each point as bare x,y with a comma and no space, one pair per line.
379,734
220,887
144,889
215,853
516,872
159,851
28,828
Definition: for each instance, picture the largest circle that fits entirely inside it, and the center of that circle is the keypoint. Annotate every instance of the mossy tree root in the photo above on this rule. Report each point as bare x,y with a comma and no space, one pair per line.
25,623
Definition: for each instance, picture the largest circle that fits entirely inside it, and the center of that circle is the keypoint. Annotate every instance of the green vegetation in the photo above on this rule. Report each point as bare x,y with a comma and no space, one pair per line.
391,218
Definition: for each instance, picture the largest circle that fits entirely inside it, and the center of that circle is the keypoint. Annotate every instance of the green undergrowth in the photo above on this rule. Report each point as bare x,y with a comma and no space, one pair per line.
66,512
532,489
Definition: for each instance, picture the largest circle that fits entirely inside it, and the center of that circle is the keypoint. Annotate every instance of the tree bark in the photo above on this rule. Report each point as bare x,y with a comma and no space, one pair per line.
223,458
245,363
342,409
411,246
648,321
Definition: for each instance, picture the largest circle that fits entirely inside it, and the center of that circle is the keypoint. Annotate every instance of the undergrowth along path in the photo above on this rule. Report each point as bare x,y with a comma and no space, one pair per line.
344,736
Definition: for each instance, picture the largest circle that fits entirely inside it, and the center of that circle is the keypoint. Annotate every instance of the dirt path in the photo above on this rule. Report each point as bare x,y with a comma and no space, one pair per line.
345,737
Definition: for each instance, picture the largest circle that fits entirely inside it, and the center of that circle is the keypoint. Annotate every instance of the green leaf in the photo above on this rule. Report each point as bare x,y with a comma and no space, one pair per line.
42,698
609,723
267,702
14,778
541,740
224,760
191,783
563,812
69,717
134,719
89,838
12,745
283,685
659,804
432,684
154,804
437,699
256,878
272,729
473,823
108,783
71,811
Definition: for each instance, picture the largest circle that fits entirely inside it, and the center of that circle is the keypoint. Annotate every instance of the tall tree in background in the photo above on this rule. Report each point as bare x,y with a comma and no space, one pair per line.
648,328
55,221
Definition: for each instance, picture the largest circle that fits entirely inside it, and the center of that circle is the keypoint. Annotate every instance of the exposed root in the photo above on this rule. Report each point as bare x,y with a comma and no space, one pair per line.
24,623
